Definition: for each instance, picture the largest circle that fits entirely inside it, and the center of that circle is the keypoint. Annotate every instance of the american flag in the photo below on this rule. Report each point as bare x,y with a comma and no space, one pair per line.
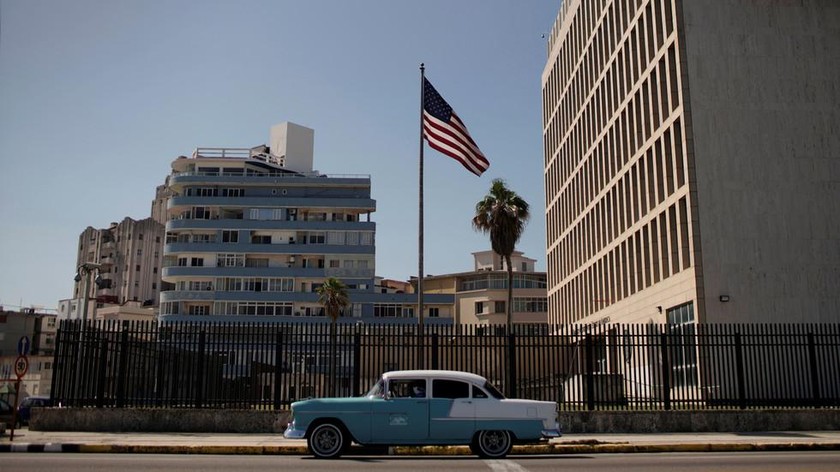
447,133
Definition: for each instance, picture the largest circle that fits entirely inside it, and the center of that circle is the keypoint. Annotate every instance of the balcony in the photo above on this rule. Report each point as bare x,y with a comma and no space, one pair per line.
366,204
260,249
239,296
186,223
349,273
168,273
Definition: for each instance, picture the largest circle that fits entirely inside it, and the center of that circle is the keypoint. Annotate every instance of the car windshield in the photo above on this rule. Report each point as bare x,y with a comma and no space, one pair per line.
377,390
493,391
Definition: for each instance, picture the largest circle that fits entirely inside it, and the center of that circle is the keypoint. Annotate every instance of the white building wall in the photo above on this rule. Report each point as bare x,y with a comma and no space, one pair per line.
765,110
296,143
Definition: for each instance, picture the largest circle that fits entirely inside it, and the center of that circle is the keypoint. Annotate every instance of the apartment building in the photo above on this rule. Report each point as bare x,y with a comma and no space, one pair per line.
480,295
126,260
692,162
251,233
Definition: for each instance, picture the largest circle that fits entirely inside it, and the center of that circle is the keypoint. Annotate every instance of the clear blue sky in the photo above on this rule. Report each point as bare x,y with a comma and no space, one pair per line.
98,97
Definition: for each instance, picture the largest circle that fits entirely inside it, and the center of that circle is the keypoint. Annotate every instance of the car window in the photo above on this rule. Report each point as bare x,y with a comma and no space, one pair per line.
478,393
493,391
450,389
407,388
377,390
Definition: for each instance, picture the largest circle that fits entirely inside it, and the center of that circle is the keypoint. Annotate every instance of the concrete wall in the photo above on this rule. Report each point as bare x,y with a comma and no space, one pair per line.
249,421
763,100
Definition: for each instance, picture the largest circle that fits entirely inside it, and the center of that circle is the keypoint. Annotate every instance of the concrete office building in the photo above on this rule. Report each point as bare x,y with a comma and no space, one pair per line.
692,161
252,232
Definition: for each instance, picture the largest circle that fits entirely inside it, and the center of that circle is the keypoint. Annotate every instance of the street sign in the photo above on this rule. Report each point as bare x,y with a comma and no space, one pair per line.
21,366
23,346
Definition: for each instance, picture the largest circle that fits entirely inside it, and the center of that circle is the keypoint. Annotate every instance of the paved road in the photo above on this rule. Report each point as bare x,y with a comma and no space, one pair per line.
740,462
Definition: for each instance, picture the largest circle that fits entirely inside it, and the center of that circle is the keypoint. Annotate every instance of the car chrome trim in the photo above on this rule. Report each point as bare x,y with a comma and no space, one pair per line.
551,433
293,433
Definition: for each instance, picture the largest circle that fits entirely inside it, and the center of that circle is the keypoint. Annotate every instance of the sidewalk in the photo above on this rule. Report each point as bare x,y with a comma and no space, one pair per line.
201,443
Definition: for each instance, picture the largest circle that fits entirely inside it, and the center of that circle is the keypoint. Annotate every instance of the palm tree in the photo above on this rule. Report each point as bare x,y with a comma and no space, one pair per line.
332,295
503,214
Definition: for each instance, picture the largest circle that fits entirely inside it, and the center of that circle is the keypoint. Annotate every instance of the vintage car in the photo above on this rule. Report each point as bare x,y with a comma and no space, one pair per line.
423,407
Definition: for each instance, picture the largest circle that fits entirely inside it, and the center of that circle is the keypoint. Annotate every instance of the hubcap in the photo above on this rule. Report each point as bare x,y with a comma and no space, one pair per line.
494,441
326,440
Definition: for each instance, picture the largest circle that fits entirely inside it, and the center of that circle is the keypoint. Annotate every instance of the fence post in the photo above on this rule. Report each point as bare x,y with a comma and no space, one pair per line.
739,371
812,363
512,362
56,357
199,371
666,371
590,372
278,368
76,375
122,374
100,384
434,351
357,364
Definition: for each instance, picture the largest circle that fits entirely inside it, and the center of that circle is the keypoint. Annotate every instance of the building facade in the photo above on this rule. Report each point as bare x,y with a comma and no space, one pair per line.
129,258
480,296
253,232
692,169
40,331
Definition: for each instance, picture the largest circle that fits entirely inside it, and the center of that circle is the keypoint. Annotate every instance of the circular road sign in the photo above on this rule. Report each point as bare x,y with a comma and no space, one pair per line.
21,366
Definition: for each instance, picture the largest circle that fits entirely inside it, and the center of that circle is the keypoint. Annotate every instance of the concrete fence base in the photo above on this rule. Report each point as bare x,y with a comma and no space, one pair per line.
158,420
699,421
250,421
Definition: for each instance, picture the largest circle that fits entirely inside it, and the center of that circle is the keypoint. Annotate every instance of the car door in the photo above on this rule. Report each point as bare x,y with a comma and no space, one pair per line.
487,410
402,415
451,411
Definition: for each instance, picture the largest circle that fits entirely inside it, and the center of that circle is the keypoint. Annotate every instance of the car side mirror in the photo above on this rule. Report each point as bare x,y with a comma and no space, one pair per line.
387,396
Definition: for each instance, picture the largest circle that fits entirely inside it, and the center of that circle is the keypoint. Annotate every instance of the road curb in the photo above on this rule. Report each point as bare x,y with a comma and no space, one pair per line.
546,449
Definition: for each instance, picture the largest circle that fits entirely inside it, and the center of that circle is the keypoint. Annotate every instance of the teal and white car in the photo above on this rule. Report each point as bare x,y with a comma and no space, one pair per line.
424,407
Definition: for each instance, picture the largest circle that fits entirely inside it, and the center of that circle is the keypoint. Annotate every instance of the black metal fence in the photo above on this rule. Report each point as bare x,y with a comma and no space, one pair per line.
268,366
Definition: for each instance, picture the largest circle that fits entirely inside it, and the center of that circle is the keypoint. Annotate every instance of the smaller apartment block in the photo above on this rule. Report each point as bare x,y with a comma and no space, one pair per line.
129,256
481,295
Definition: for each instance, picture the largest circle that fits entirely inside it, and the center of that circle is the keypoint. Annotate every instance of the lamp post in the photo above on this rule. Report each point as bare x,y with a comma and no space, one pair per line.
85,271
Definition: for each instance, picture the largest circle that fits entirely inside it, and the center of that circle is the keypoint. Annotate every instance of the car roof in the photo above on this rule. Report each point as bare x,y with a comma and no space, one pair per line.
447,374
36,397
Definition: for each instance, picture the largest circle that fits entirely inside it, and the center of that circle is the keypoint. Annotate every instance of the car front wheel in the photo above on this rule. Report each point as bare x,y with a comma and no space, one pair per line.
493,444
326,441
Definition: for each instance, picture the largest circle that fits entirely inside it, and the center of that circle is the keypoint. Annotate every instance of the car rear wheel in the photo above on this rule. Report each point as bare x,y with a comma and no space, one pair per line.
326,441
493,444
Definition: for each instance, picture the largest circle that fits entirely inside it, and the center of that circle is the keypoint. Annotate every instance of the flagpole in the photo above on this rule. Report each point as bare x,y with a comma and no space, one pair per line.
421,352
420,213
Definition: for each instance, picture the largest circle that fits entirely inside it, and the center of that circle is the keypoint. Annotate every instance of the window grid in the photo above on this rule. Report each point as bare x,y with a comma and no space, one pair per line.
617,209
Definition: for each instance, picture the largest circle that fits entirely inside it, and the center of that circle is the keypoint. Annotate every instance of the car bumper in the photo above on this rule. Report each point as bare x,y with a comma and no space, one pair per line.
293,433
552,433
